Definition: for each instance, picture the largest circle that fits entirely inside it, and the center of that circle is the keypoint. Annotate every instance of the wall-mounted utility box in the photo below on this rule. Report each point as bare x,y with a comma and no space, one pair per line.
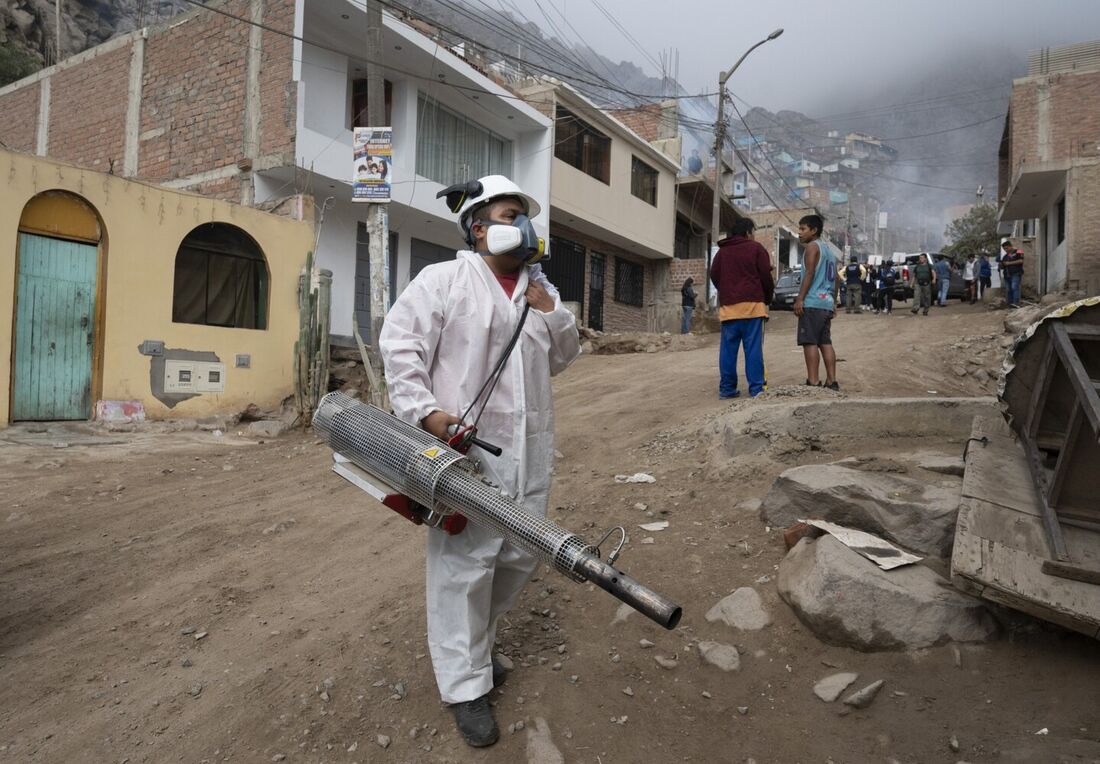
194,377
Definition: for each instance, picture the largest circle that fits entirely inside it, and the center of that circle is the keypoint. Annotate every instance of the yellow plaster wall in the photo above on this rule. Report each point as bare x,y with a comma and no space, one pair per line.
143,226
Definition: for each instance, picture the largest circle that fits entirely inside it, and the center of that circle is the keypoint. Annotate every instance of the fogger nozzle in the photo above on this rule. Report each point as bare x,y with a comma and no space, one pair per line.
414,463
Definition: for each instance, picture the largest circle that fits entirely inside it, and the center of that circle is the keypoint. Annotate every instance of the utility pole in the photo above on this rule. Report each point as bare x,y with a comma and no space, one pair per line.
716,209
719,145
57,31
378,234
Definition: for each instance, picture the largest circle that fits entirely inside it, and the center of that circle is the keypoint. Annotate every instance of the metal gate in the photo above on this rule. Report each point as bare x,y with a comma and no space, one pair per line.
597,264
565,269
54,329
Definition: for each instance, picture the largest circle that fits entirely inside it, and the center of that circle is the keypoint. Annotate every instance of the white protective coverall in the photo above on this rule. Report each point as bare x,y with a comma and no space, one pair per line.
440,340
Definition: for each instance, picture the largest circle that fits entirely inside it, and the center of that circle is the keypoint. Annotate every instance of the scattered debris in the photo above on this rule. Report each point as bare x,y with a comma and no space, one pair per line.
741,610
637,477
863,698
829,688
660,525
882,553
717,654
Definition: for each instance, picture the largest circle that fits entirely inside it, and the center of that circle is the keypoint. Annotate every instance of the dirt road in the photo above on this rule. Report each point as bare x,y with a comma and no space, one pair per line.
187,597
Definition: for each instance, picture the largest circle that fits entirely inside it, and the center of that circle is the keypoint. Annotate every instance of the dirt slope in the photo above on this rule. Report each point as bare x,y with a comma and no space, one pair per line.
115,558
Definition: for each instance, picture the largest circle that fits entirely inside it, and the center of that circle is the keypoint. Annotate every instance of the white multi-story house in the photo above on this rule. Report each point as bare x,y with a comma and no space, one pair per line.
451,123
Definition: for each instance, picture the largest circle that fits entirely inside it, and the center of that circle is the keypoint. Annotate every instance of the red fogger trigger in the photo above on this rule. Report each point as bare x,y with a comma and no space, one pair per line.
462,437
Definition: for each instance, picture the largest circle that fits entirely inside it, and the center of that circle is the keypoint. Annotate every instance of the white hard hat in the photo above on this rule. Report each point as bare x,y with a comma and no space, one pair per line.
462,198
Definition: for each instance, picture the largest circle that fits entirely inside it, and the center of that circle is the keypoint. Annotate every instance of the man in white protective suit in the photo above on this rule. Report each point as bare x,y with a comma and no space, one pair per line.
441,341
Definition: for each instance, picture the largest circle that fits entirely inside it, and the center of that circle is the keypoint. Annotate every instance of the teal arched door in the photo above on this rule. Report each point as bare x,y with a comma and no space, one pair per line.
54,329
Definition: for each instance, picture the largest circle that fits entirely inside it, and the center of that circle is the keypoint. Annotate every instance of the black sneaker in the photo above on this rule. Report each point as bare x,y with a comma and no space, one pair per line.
813,384
834,385
475,721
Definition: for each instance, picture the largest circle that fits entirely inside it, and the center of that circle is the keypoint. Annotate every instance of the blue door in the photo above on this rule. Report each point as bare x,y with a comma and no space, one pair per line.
54,329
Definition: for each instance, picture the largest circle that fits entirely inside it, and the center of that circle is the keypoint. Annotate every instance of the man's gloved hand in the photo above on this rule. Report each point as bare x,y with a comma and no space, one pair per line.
437,423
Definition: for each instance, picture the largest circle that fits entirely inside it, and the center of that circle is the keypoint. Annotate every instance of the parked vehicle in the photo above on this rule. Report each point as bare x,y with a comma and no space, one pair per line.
786,290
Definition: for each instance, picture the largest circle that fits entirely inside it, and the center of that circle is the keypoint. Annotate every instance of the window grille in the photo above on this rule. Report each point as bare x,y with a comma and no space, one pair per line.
629,282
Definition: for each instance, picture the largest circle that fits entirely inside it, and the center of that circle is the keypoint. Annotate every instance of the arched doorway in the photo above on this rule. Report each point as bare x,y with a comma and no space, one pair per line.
58,309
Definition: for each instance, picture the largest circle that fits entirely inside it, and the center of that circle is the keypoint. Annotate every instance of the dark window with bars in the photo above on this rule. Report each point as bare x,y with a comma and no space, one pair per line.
643,181
582,146
565,269
629,282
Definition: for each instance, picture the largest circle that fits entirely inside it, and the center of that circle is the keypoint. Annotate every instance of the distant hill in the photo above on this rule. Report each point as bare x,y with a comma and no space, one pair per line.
27,28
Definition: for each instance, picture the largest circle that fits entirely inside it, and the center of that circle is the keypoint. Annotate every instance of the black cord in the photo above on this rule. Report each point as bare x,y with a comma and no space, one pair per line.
966,449
498,370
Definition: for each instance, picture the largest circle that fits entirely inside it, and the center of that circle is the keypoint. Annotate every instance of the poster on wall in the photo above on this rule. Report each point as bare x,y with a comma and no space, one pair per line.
372,173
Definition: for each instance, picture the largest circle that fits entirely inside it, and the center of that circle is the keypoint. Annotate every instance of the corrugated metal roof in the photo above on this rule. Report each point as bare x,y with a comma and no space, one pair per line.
1067,58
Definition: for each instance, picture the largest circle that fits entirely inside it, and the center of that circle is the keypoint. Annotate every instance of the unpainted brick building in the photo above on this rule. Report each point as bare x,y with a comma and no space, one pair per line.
198,103
1049,175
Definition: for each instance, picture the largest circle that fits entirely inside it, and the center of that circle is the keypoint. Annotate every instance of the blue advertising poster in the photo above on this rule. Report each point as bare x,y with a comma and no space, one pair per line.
372,173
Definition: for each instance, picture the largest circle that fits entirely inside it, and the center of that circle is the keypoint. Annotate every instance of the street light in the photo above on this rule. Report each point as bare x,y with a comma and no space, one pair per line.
719,144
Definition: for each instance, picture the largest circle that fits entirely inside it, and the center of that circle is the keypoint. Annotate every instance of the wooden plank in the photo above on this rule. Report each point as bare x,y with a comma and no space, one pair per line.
1047,367
1000,546
1038,610
1079,498
966,555
1072,572
998,472
1083,331
1065,457
1086,393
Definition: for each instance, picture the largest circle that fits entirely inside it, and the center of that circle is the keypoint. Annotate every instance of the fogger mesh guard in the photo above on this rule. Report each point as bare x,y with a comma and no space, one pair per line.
415,463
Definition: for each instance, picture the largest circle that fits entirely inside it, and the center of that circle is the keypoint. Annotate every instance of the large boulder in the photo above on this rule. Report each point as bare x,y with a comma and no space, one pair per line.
918,514
848,600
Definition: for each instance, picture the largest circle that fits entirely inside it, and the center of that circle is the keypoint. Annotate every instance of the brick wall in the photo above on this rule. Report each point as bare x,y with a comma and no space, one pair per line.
618,317
88,112
278,91
1082,221
1072,103
193,105
19,118
644,120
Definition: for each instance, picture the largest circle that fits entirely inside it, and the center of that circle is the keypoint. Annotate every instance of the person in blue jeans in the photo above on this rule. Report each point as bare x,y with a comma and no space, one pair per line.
943,270
1014,272
742,274
687,303
985,274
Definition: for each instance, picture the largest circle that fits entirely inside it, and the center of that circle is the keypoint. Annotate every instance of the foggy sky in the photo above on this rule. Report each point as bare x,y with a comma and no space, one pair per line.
857,47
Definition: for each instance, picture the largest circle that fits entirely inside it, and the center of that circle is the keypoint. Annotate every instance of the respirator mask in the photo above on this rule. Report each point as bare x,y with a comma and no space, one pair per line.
516,239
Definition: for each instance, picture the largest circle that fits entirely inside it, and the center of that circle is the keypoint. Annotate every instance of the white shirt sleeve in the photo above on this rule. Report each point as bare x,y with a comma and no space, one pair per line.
565,343
410,336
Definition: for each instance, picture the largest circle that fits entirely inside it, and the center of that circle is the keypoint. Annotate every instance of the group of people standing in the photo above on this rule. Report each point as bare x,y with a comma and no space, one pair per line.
742,274
743,277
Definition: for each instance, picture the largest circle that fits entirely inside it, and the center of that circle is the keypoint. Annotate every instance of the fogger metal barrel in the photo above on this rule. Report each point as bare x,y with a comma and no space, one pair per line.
414,463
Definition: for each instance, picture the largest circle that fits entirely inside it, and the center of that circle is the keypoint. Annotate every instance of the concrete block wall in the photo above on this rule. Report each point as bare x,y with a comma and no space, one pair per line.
183,103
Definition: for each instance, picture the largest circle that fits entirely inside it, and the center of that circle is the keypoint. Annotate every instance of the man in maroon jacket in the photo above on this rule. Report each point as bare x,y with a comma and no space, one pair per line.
742,273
